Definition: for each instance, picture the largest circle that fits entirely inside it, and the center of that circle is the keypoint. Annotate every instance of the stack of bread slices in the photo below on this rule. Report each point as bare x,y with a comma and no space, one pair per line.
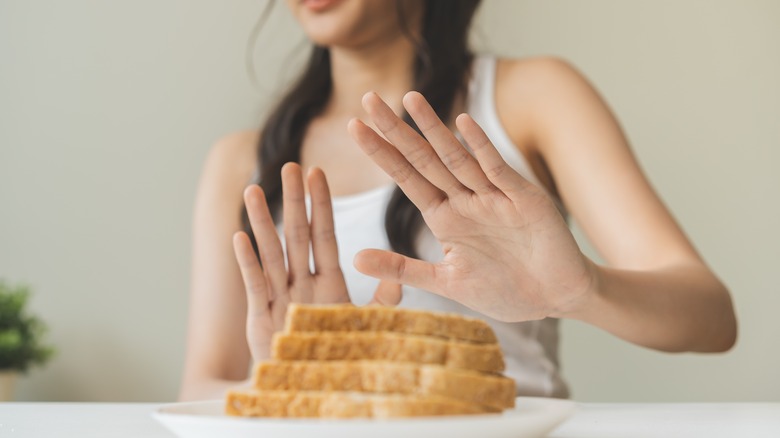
342,361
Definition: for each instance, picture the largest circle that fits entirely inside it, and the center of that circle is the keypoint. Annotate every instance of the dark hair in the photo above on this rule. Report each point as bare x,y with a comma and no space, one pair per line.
441,66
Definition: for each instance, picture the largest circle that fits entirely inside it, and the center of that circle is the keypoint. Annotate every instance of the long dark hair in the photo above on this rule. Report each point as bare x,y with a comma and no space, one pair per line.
441,66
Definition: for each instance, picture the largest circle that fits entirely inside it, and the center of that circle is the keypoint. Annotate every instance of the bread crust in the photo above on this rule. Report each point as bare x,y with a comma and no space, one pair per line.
314,404
387,346
492,391
376,318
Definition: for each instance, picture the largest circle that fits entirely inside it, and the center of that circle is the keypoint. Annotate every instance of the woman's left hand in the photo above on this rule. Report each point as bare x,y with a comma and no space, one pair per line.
508,252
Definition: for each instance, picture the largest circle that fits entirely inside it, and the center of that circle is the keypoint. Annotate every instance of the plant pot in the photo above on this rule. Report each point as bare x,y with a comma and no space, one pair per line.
7,381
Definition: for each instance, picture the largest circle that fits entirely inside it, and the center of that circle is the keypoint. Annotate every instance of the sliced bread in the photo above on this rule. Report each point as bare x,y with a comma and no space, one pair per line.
387,346
314,404
493,391
346,317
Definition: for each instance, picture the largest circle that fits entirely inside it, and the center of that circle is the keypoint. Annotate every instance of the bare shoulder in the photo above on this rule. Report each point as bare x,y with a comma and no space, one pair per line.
231,161
235,154
540,77
238,142
226,172
547,95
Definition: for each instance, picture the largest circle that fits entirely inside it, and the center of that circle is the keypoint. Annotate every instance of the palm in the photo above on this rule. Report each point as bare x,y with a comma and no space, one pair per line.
507,251
285,276
261,326
317,289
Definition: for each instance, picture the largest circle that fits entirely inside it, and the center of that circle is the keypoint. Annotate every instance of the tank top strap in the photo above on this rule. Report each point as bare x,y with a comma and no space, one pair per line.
481,105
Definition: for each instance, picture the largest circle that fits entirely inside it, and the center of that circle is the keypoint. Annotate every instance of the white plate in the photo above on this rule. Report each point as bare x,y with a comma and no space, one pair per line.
532,417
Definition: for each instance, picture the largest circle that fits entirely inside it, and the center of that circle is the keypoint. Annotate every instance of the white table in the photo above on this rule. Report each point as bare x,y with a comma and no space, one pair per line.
596,420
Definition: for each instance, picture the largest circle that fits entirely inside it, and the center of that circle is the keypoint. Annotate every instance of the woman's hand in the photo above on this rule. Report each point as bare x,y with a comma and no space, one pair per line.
508,253
281,279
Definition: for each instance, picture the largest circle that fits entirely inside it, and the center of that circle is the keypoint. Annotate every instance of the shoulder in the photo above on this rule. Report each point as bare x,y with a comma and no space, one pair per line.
233,157
541,80
546,93
537,64
229,165
535,72
236,152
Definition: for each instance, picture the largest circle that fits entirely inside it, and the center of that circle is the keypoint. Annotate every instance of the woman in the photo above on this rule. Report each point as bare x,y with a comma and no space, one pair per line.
494,241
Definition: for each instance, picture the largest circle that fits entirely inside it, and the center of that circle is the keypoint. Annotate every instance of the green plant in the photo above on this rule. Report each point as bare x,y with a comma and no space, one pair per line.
20,334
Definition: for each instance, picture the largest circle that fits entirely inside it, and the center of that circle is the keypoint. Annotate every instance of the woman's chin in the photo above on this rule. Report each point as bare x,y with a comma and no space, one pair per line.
344,23
330,36
324,40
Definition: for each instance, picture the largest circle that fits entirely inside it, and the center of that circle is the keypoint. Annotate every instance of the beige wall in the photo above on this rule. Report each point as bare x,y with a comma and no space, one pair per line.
107,110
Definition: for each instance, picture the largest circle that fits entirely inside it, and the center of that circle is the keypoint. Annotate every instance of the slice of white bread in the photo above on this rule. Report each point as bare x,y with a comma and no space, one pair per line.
492,391
314,404
346,317
387,346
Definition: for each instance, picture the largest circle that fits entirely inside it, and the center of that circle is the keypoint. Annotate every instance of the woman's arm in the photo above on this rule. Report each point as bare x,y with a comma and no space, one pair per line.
509,253
654,290
217,354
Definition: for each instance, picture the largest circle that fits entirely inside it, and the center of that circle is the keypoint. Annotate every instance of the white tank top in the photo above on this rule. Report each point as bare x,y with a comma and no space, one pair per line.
530,348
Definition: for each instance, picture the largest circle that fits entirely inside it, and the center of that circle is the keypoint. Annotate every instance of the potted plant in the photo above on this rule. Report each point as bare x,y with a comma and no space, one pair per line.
21,337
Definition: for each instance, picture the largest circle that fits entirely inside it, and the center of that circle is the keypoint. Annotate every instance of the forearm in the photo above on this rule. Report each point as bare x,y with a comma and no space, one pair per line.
682,308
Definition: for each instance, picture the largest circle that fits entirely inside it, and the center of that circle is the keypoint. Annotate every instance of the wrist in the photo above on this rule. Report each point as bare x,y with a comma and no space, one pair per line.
584,297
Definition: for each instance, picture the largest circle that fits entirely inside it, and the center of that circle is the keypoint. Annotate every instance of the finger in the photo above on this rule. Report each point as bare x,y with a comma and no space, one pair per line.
279,311
387,294
253,276
297,234
390,266
323,237
414,148
268,244
420,191
491,162
449,150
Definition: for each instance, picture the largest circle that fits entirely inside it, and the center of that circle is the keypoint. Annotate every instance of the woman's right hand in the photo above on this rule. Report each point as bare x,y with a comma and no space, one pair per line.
271,284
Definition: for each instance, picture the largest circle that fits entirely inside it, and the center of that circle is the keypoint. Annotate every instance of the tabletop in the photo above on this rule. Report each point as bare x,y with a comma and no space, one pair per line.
602,420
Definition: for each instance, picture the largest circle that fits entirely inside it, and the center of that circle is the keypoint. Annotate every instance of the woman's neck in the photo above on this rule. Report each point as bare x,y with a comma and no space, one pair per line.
386,68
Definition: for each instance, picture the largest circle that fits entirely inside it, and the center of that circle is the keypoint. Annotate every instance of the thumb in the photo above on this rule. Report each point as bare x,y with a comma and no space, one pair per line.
387,294
390,266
